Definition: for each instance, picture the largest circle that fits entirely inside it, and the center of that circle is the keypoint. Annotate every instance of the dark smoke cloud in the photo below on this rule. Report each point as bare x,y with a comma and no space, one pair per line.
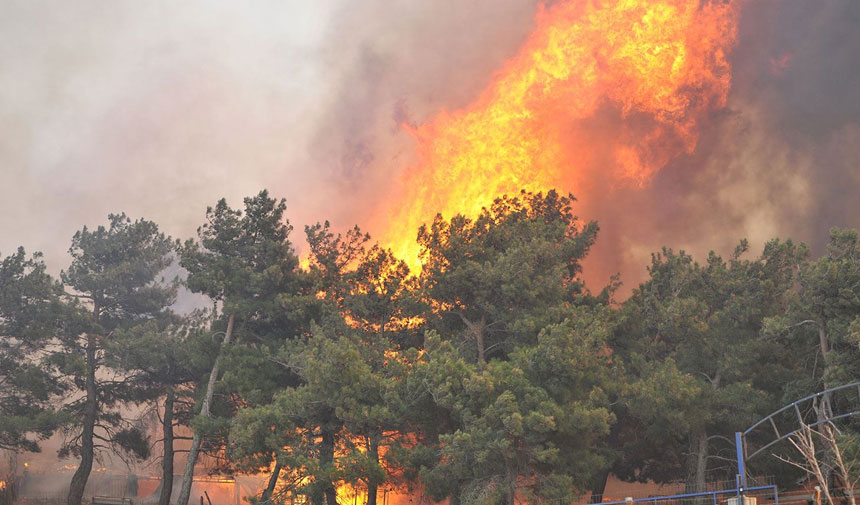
400,63
159,109
782,161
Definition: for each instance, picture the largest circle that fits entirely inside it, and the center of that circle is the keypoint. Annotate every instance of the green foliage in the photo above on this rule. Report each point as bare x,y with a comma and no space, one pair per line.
242,258
823,313
244,261
28,299
699,367
329,427
491,376
115,269
499,279
133,441
381,297
526,426
113,286
335,385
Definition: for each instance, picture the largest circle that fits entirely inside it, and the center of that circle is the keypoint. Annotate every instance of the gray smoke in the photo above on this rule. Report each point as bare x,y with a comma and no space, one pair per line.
782,161
160,108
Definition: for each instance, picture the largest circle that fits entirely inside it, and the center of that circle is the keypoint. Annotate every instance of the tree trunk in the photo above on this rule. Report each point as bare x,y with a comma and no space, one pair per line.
327,460
702,462
479,338
823,409
82,474
840,470
476,330
188,475
273,481
698,462
373,452
510,484
167,453
599,486
823,341
827,463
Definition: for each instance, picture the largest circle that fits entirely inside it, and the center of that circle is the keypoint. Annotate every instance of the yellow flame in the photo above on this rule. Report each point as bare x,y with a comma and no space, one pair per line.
660,65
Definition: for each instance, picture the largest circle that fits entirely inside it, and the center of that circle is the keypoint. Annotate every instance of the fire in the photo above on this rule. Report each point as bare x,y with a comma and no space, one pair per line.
660,66
348,494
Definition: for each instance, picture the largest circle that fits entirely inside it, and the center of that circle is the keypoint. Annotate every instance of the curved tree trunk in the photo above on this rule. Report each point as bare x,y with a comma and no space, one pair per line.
273,481
188,475
479,338
82,474
167,455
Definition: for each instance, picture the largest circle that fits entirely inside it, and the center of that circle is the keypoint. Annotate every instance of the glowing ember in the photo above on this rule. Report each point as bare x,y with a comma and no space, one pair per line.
659,66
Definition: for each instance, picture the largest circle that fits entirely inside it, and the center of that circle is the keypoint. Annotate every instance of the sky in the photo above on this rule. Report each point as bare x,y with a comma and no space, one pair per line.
159,109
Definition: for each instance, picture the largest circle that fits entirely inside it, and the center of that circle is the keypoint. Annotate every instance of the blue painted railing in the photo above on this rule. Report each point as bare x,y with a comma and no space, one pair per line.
740,491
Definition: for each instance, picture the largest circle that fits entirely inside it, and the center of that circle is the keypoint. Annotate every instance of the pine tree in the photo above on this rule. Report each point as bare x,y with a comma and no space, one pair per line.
499,279
699,368
114,282
29,313
244,261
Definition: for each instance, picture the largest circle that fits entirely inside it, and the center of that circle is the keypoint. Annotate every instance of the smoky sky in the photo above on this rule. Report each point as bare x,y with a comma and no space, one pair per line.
781,160
160,108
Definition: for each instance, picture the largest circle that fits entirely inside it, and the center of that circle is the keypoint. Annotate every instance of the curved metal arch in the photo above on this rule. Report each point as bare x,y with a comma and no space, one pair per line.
795,406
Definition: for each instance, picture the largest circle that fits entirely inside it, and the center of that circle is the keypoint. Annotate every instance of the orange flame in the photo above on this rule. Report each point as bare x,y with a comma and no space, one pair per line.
660,66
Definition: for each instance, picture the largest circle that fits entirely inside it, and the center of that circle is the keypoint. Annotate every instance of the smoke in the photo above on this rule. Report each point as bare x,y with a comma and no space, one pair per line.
159,109
782,160
400,63
156,109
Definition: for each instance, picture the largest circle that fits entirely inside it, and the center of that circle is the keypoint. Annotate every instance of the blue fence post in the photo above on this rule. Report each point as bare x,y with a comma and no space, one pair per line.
739,491
739,447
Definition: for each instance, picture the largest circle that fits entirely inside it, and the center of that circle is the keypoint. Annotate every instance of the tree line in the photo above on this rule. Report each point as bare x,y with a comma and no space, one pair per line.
493,374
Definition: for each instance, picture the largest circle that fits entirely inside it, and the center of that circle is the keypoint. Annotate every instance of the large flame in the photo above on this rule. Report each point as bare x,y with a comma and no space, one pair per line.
658,67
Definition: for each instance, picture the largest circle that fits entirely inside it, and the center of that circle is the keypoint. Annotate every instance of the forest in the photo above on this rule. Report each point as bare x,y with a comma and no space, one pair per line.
491,376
